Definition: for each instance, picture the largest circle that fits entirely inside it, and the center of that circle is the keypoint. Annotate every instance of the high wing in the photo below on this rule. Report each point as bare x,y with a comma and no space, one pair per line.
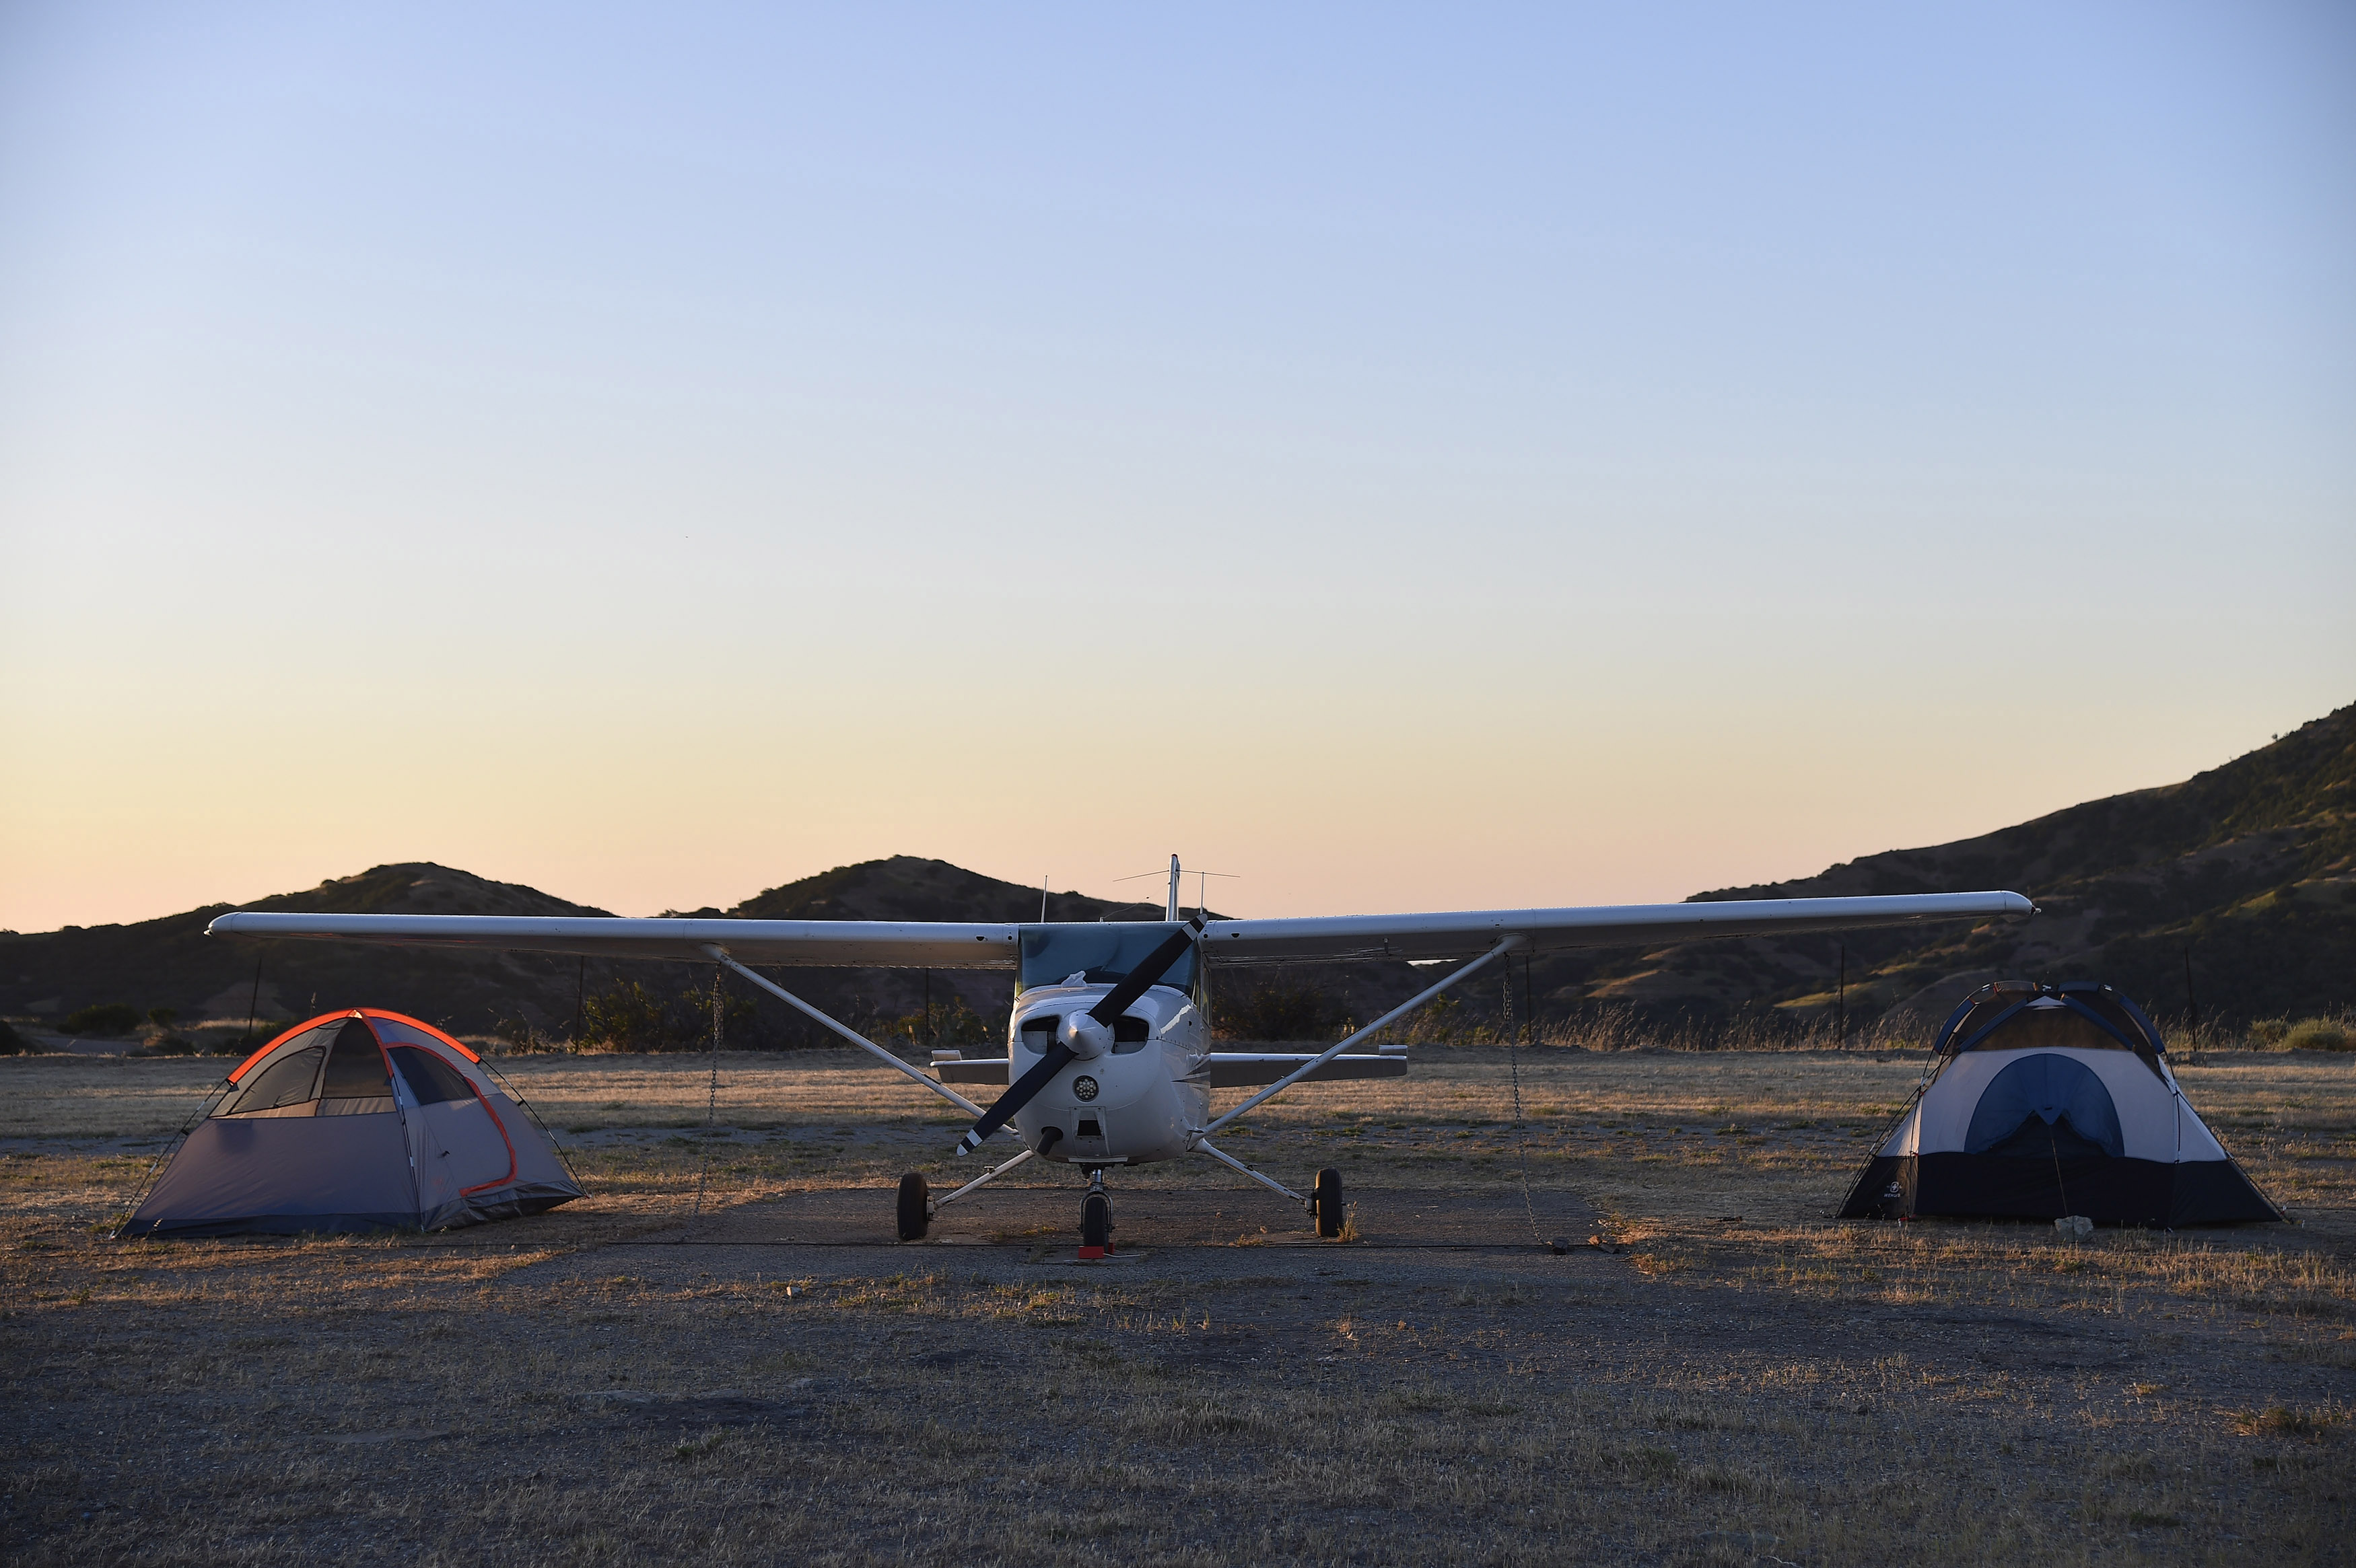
847,944
1469,931
946,944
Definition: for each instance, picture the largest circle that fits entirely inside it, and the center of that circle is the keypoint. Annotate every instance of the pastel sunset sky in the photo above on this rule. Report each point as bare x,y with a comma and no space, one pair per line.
1410,458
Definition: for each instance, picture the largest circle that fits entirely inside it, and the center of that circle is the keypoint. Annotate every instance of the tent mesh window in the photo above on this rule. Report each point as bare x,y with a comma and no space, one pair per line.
356,1081
430,1079
291,1079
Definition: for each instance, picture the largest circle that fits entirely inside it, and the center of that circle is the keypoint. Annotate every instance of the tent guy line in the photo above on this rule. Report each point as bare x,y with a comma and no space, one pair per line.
1109,1060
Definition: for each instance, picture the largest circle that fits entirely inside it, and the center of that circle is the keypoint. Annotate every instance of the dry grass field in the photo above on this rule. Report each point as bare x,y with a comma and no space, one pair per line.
1730,1378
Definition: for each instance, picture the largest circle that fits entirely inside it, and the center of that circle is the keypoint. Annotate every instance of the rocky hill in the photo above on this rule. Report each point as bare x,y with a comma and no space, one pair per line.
2233,891
170,963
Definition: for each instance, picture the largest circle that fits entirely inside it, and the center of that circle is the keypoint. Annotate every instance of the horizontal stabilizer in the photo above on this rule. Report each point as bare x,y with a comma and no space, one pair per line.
1228,1069
988,1070
1244,1069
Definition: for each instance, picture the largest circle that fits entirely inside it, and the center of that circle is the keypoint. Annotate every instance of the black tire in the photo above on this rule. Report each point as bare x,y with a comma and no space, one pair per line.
1095,1220
1325,1202
916,1208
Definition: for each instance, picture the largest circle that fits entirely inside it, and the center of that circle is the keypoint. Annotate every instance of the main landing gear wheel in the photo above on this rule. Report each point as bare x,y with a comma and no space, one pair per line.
1325,1202
916,1208
1095,1220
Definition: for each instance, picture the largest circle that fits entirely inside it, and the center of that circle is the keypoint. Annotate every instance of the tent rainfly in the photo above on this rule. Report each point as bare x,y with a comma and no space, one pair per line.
359,1120
2050,1101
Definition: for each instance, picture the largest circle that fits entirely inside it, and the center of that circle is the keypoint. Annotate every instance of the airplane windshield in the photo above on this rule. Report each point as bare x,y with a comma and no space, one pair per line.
1105,953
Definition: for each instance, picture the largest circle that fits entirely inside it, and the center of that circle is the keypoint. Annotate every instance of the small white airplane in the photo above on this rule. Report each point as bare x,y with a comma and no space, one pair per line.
1108,1056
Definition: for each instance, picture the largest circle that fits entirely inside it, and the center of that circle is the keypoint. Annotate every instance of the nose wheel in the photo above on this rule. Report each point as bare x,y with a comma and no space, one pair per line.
1096,1219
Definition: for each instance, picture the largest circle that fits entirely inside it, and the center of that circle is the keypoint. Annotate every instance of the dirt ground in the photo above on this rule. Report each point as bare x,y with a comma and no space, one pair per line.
1729,1378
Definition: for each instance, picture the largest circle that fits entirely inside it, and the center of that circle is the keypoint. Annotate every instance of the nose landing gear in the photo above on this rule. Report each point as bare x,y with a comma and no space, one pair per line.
1096,1219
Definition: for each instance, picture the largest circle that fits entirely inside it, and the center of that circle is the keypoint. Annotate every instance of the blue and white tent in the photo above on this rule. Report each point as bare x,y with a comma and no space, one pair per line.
2049,1100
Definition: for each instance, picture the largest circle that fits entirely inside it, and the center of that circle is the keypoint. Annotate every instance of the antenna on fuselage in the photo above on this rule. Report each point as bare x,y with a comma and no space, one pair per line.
1171,909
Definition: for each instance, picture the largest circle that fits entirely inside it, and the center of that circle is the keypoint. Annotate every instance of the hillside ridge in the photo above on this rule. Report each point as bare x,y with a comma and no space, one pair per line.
2233,893
2239,875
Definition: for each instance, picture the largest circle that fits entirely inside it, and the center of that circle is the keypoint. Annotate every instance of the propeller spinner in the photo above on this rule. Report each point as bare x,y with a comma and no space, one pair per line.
1084,1034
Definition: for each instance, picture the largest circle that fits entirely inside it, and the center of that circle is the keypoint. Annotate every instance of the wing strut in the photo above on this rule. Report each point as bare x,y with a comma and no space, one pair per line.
1331,1052
1202,1146
992,1174
719,954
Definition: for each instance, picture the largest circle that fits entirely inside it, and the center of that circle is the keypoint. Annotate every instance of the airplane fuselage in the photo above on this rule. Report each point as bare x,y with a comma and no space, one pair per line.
1136,1101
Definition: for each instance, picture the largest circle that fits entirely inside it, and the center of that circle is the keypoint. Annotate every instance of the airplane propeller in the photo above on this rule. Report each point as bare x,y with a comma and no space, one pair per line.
1109,1007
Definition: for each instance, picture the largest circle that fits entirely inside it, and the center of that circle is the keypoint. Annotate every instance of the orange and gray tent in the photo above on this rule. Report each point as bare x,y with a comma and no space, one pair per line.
359,1120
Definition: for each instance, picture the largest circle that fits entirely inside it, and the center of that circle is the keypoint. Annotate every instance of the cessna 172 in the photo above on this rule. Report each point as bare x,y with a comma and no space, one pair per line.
1108,1056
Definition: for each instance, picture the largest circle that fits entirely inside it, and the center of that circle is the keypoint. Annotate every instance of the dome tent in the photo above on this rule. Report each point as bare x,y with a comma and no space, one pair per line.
2049,1100
358,1120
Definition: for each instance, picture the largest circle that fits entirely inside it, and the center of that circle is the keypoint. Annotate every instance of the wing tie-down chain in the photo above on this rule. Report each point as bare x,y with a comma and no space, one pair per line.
1521,1133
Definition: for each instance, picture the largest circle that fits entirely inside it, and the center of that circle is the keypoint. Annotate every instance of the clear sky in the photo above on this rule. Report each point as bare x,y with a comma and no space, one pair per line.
1410,458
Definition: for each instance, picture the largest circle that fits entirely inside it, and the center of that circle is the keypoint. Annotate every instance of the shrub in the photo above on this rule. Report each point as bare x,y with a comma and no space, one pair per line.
633,1016
523,1038
164,1017
1275,1011
2266,1034
11,1042
2319,1034
953,1025
104,1017
627,1017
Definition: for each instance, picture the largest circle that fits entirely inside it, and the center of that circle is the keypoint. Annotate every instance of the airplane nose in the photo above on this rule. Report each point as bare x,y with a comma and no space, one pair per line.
1087,1038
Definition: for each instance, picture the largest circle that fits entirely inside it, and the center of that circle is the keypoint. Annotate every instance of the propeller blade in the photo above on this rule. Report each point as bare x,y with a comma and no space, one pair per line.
1015,1098
1114,1003
1138,981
